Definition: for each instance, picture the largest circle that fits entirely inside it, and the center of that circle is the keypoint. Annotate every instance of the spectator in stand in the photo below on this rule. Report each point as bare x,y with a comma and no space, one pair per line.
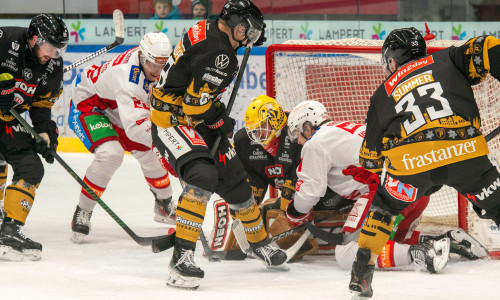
200,9
164,9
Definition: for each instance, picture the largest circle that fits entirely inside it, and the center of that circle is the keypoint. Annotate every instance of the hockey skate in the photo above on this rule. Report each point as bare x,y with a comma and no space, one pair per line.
165,211
463,244
14,245
80,225
360,285
184,273
273,257
431,255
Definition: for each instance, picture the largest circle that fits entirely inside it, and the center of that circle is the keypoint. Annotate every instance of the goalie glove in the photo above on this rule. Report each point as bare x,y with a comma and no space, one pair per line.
362,175
49,133
297,218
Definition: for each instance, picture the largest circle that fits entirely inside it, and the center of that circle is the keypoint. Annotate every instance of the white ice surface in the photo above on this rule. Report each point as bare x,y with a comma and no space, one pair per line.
110,265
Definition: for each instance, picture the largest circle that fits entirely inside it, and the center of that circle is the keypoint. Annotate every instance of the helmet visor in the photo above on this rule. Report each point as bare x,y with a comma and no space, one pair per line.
293,134
253,28
47,49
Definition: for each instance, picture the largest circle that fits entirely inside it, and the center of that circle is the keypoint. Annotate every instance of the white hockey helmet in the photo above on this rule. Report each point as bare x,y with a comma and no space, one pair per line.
155,47
312,113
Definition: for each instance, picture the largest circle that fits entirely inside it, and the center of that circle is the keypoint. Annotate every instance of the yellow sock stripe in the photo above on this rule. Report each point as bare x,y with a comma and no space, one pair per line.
251,220
375,232
190,216
18,202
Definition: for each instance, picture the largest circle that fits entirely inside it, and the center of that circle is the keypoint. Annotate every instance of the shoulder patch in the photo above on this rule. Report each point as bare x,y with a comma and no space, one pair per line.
198,32
135,73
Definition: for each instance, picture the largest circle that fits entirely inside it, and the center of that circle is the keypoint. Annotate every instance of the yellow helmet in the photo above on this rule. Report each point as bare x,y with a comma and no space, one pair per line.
264,120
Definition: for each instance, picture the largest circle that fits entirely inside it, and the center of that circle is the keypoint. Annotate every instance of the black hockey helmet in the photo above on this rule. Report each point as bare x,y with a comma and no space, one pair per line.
50,29
244,12
403,45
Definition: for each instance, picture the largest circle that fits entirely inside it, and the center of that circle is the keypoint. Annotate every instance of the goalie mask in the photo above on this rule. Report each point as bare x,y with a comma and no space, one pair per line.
264,120
244,15
312,113
403,45
52,34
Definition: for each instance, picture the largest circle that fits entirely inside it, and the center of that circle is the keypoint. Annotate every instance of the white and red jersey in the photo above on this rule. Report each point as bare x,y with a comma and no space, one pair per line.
333,148
120,89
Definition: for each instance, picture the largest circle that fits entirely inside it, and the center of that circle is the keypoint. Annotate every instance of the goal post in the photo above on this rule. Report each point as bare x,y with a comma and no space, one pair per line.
343,74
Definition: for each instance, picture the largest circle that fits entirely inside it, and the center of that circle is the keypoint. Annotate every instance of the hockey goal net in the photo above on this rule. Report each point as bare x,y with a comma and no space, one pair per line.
343,74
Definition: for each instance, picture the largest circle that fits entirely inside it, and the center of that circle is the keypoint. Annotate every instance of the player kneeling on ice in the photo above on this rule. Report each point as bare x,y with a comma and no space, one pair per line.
423,132
330,162
30,80
187,119
110,114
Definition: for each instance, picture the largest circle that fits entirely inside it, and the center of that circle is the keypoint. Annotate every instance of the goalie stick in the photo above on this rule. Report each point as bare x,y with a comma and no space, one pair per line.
143,241
119,38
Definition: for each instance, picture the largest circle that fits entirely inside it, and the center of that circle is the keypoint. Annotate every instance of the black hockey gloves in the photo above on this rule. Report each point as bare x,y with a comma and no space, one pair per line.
7,87
222,122
49,133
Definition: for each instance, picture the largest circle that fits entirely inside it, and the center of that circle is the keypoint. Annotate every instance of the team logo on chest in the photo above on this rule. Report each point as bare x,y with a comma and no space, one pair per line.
27,74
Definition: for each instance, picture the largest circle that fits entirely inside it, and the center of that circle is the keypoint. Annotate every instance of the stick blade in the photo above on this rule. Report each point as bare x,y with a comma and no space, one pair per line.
119,25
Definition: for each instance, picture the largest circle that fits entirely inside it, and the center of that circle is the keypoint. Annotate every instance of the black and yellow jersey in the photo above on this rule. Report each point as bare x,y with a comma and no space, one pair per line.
424,115
201,66
37,86
264,169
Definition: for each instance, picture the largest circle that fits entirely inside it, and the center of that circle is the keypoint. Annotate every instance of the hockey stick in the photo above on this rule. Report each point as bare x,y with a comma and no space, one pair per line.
119,38
143,241
492,134
239,231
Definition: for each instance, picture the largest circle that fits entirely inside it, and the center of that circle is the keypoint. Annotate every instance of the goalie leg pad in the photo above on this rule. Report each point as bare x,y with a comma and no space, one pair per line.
376,231
249,214
19,198
191,213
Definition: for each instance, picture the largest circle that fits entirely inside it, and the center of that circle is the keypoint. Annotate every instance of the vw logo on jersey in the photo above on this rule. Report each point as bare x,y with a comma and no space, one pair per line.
15,46
222,61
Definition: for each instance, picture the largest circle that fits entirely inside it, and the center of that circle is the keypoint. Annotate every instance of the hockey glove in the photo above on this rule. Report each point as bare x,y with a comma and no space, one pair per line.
49,133
222,122
362,175
297,218
7,87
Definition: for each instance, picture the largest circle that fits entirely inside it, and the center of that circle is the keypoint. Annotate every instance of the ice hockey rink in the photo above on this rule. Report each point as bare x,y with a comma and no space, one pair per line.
110,265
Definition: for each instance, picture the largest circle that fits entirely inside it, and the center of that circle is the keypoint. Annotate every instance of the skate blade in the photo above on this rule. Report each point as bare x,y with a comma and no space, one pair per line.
77,237
176,280
164,220
283,267
476,248
10,254
357,296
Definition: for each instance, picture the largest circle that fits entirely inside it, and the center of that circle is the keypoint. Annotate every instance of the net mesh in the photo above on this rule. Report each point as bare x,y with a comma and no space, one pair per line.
343,74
